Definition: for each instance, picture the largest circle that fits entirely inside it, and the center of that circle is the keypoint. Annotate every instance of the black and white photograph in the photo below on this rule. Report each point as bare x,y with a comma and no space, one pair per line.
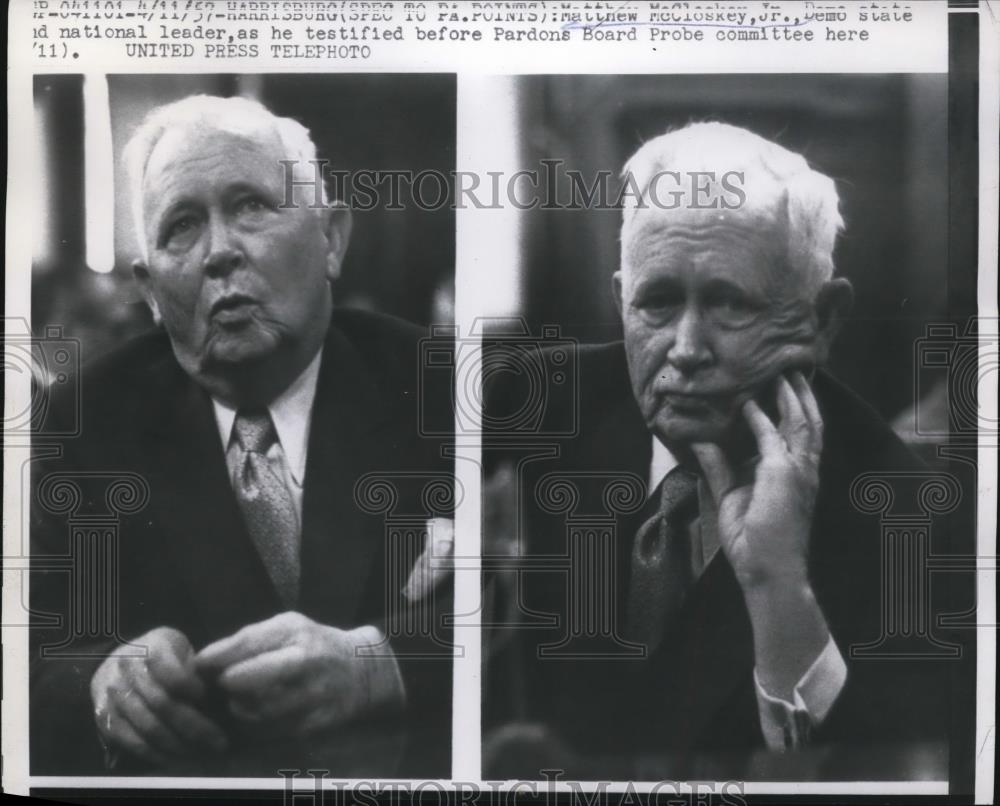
571,402
232,498
714,499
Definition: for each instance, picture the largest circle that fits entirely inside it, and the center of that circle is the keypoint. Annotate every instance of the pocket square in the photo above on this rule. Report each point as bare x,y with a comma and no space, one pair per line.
436,563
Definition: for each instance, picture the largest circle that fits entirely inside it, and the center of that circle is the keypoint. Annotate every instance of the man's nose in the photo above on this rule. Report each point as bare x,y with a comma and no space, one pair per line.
690,350
224,251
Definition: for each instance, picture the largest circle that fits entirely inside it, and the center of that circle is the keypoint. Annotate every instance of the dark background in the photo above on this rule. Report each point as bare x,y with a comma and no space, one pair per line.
399,261
883,138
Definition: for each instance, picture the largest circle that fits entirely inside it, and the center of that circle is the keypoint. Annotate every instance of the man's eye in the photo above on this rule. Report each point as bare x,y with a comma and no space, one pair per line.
251,204
658,301
732,308
733,304
181,229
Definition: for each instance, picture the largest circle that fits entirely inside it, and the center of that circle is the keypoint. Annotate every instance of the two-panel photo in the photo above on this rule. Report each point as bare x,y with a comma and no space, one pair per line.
718,540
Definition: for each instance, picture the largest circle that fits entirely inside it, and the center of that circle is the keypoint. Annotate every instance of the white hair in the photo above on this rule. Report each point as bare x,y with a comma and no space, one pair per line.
235,115
778,184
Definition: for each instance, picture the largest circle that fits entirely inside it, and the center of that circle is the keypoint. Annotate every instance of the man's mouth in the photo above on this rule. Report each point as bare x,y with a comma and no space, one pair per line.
675,393
686,401
231,307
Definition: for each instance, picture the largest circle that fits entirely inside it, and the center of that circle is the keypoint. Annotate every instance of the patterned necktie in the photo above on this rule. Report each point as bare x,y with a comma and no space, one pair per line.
267,505
661,560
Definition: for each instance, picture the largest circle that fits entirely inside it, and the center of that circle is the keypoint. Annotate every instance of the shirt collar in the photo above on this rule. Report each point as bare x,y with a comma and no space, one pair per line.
661,463
291,414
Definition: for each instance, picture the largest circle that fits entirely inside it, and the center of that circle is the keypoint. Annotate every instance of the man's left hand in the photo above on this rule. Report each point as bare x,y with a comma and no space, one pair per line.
764,528
296,676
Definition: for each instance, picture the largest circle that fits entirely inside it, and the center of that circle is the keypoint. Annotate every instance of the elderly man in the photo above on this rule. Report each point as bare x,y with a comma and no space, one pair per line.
257,606
729,602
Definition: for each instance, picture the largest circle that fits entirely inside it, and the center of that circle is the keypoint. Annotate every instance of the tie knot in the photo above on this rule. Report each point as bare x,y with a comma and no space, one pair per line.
255,430
678,494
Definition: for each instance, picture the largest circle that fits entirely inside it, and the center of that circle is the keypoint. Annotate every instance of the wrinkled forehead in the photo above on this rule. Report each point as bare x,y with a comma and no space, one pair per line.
185,153
652,230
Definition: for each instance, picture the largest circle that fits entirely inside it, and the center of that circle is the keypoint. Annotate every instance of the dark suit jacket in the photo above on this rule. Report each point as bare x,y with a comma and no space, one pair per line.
696,694
183,558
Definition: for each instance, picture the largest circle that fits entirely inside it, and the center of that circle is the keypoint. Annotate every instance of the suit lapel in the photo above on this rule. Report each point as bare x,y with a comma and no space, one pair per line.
198,513
350,435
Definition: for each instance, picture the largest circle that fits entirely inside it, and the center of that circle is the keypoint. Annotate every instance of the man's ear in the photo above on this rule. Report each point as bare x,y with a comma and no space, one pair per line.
141,274
337,223
833,305
616,290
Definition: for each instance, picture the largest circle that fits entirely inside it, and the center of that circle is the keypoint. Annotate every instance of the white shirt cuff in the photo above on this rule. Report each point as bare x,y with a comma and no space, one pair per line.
788,725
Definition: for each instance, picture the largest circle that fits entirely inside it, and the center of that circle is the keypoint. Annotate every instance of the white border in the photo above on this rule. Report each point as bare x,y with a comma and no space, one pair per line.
986,577
306,784
478,67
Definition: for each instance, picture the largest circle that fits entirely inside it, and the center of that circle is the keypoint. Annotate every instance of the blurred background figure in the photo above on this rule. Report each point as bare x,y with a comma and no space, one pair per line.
401,261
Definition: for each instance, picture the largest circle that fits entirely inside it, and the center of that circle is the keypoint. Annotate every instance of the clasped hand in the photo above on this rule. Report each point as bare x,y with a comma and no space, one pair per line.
288,674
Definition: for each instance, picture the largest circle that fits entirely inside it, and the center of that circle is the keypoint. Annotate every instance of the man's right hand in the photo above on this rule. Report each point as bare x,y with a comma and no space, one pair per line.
149,706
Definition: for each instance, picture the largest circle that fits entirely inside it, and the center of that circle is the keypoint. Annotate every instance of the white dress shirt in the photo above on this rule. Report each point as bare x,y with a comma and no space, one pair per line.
785,725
